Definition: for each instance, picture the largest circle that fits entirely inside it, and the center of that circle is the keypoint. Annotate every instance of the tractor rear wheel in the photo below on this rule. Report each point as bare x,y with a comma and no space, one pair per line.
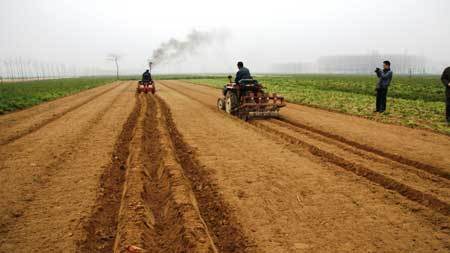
231,103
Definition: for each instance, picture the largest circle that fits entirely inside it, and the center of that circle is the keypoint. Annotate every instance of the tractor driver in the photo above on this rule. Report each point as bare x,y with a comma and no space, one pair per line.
146,76
243,73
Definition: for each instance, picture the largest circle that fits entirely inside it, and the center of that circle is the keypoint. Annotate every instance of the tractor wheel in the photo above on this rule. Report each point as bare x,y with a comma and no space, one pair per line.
231,103
221,104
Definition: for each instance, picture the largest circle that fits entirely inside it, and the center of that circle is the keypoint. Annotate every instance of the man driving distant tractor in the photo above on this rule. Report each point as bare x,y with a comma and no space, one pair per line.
146,77
147,84
243,73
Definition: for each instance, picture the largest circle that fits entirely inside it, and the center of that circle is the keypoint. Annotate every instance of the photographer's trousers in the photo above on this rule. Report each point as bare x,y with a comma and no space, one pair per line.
447,104
381,99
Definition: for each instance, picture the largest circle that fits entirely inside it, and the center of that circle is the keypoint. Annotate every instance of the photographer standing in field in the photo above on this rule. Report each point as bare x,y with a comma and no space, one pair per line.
385,77
445,78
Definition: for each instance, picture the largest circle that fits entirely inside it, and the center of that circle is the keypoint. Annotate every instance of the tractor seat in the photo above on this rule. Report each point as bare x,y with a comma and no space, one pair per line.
248,81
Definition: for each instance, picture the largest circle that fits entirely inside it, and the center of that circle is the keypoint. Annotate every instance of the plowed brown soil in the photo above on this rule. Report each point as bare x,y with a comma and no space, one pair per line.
49,177
305,189
108,170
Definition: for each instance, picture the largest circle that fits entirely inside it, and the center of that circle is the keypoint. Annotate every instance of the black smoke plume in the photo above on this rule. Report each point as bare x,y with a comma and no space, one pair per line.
175,49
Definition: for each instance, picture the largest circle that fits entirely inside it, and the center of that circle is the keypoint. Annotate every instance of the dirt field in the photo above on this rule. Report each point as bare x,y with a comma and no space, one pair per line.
106,169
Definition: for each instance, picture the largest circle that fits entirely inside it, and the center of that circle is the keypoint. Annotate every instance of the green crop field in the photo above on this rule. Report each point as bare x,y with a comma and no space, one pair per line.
413,102
19,95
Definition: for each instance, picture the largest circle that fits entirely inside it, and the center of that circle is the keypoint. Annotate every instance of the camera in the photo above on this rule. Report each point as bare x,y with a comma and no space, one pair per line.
377,69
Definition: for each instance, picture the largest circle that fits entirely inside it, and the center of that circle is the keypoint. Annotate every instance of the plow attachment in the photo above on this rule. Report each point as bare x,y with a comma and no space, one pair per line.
146,87
259,105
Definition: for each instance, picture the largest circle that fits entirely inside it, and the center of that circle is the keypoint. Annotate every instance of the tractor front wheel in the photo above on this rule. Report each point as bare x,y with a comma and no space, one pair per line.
231,103
221,104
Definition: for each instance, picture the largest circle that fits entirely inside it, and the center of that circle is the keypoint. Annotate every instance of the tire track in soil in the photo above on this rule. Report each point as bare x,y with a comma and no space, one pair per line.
158,210
394,157
298,146
228,234
340,202
42,124
153,205
397,158
430,183
281,122
5,224
91,122
100,229
386,182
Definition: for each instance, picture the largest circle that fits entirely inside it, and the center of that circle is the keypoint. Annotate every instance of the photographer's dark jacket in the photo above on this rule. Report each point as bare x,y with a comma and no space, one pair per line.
385,78
243,73
445,78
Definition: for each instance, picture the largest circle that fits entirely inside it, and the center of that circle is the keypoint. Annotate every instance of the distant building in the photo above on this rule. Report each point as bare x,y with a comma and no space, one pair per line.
357,64
365,64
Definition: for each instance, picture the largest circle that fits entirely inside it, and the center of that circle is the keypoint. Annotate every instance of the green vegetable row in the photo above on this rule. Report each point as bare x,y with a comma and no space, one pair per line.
19,95
412,101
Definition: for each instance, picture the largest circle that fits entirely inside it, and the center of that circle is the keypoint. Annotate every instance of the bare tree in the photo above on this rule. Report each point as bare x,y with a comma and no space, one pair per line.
115,58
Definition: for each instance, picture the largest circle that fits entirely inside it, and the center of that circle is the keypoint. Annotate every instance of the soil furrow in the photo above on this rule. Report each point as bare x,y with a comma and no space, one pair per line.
228,235
397,158
98,116
32,190
60,188
100,229
362,153
179,213
429,183
45,122
387,182
394,157
292,202
136,219
158,211
116,171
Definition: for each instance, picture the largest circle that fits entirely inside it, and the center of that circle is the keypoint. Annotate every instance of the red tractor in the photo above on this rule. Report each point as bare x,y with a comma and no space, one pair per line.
248,98
146,87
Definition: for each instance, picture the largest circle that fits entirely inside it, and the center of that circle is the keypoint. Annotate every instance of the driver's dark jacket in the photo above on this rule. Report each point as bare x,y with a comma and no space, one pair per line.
146,77
243,73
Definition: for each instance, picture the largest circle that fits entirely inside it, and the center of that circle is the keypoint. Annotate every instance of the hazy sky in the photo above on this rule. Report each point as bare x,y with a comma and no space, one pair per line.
82,32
